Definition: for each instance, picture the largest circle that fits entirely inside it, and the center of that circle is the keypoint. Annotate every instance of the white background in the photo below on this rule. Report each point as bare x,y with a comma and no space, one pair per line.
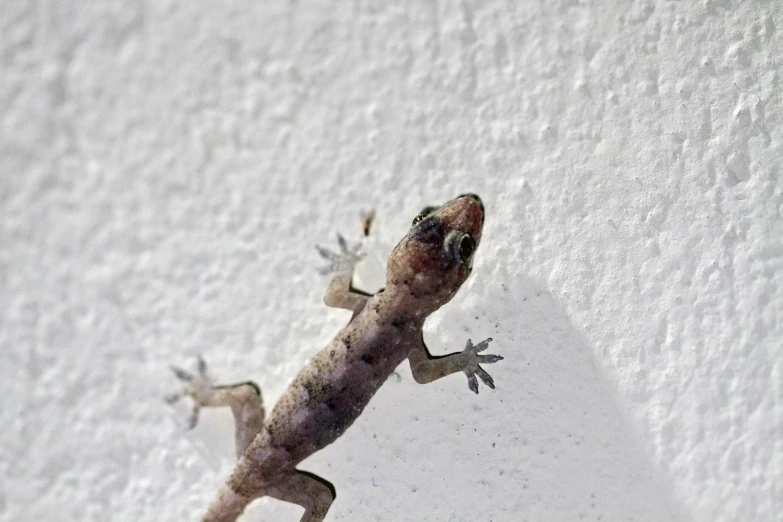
167,167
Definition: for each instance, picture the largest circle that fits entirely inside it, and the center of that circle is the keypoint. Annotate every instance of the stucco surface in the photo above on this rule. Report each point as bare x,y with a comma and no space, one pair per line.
166,168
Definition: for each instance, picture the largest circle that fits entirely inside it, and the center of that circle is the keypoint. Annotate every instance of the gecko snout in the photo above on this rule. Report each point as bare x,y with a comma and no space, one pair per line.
474,196
465,213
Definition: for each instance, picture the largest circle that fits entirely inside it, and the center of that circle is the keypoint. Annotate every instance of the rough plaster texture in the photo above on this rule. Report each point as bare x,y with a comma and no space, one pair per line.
166,168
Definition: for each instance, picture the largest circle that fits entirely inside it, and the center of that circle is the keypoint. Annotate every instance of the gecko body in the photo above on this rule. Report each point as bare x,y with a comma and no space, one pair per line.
424,271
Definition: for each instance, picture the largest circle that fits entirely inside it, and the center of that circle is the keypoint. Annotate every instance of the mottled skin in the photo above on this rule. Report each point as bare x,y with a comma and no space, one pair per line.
424,271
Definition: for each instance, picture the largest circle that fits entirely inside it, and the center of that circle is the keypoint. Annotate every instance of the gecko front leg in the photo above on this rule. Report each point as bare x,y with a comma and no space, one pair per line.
427,368
341,293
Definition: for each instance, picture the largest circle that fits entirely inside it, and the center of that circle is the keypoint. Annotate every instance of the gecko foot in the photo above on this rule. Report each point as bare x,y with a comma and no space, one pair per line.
472,361
342,261
198,386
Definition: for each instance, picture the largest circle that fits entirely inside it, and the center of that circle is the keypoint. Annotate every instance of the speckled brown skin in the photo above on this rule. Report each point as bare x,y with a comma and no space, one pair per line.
424,272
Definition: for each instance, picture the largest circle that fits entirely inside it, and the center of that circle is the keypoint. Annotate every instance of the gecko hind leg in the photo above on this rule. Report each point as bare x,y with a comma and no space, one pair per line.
243,398
310,491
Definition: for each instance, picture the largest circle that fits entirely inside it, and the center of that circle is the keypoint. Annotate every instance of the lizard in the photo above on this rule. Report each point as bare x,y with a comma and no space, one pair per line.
424,271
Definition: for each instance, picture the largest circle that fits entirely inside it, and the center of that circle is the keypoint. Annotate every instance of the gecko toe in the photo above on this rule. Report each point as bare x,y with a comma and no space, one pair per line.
489,358
485,377
483,345
182,375
171,398
472,382
342,243
202,368
193,419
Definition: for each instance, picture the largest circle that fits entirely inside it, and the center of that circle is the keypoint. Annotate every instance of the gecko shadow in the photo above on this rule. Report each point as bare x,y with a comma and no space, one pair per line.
552,442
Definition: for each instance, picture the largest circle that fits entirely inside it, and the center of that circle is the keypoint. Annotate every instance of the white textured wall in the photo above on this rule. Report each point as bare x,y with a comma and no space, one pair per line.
166,168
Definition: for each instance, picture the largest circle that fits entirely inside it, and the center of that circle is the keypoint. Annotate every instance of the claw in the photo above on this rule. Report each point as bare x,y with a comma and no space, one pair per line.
489,359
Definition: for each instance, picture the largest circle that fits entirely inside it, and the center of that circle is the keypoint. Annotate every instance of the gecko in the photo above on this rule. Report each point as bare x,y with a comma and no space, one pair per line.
424,271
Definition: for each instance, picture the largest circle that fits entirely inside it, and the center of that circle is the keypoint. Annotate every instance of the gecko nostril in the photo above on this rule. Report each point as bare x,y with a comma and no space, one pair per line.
474,196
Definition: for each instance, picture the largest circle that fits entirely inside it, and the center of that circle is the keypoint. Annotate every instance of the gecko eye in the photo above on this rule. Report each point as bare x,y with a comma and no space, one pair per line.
460,246
426,211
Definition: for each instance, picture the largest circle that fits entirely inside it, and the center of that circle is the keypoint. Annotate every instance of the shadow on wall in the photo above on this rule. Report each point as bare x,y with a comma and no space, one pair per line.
550,443
571,451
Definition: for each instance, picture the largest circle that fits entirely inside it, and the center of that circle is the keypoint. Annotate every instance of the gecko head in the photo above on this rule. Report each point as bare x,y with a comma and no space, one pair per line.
436,256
